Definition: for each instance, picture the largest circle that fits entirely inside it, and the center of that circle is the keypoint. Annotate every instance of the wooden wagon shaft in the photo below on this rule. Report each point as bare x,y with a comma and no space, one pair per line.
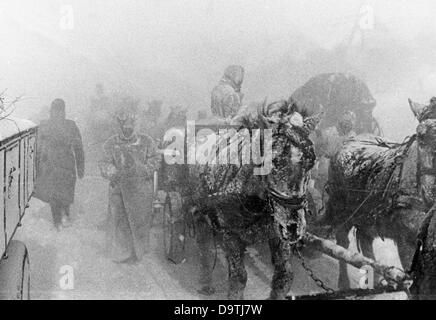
354,258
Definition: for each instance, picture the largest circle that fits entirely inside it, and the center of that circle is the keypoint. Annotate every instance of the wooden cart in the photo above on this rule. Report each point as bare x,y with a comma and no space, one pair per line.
17,176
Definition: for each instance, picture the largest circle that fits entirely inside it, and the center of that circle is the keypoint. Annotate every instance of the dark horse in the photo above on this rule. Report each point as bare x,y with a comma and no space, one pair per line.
246,205
340,95
388,189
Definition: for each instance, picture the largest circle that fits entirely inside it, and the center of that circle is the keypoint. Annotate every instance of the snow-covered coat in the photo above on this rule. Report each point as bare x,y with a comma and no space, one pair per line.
226,98
129,165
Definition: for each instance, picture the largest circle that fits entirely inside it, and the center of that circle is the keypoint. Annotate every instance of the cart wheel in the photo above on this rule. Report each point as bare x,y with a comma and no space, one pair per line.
173,228
15,273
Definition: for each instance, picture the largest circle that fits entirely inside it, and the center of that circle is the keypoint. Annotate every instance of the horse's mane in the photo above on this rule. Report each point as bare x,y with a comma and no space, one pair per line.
391,148
374,165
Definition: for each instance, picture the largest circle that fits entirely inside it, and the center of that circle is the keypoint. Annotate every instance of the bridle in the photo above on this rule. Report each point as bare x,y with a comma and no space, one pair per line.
291,202
295,205
294,202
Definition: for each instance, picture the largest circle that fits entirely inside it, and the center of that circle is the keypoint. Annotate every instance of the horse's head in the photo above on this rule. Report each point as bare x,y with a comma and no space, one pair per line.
424,284
426,133
292,158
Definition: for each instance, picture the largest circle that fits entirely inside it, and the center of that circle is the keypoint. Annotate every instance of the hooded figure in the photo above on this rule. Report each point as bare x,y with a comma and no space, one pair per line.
129,162
327,146
227,96
60,155
98,117
149,119
337,93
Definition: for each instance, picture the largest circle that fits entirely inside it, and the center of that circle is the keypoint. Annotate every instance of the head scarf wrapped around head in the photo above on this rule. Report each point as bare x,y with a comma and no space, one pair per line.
57,110
126,116
234,74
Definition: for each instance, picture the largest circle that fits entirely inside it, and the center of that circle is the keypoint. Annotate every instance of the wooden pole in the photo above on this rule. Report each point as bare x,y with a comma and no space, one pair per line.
354,258
155,183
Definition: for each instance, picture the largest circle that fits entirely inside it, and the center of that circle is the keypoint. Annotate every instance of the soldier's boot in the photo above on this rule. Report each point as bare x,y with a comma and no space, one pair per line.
133,259
56,210
66,219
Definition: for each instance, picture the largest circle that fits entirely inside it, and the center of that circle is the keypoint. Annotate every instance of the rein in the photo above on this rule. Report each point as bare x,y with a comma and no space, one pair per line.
398,161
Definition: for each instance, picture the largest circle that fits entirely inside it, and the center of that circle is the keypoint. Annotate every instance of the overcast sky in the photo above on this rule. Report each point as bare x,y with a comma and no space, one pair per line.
176,50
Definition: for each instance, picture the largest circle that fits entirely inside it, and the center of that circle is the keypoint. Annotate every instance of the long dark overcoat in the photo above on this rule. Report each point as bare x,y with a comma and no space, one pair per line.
60,158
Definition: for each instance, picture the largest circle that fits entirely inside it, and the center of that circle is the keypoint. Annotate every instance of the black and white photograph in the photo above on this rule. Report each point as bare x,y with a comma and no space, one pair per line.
213,150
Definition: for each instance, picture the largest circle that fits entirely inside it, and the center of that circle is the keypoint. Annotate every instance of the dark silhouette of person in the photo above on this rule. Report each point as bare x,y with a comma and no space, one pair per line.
226,97
60,159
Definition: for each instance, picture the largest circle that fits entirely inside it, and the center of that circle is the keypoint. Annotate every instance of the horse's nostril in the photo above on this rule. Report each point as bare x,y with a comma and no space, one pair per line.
290,232
292,229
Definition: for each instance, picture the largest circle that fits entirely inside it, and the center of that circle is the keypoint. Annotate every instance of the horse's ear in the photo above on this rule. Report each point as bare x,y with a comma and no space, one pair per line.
292,105
262,107
417,108
263,121
262,114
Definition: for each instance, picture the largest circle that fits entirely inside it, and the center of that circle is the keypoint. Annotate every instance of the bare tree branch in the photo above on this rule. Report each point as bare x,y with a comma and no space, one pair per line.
8,107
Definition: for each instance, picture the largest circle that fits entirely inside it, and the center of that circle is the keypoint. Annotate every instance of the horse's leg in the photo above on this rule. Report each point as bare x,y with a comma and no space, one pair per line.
424,283
365,242
343,241
283,275
204,246
235,251
406,248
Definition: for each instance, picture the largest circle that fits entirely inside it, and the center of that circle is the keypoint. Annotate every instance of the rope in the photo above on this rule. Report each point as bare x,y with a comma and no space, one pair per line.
408,141
354,212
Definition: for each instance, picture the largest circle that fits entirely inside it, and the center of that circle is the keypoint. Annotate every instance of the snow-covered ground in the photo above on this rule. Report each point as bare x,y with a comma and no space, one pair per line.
82,247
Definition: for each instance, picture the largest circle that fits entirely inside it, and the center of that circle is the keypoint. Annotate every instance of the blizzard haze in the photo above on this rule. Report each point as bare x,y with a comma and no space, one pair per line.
176,51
